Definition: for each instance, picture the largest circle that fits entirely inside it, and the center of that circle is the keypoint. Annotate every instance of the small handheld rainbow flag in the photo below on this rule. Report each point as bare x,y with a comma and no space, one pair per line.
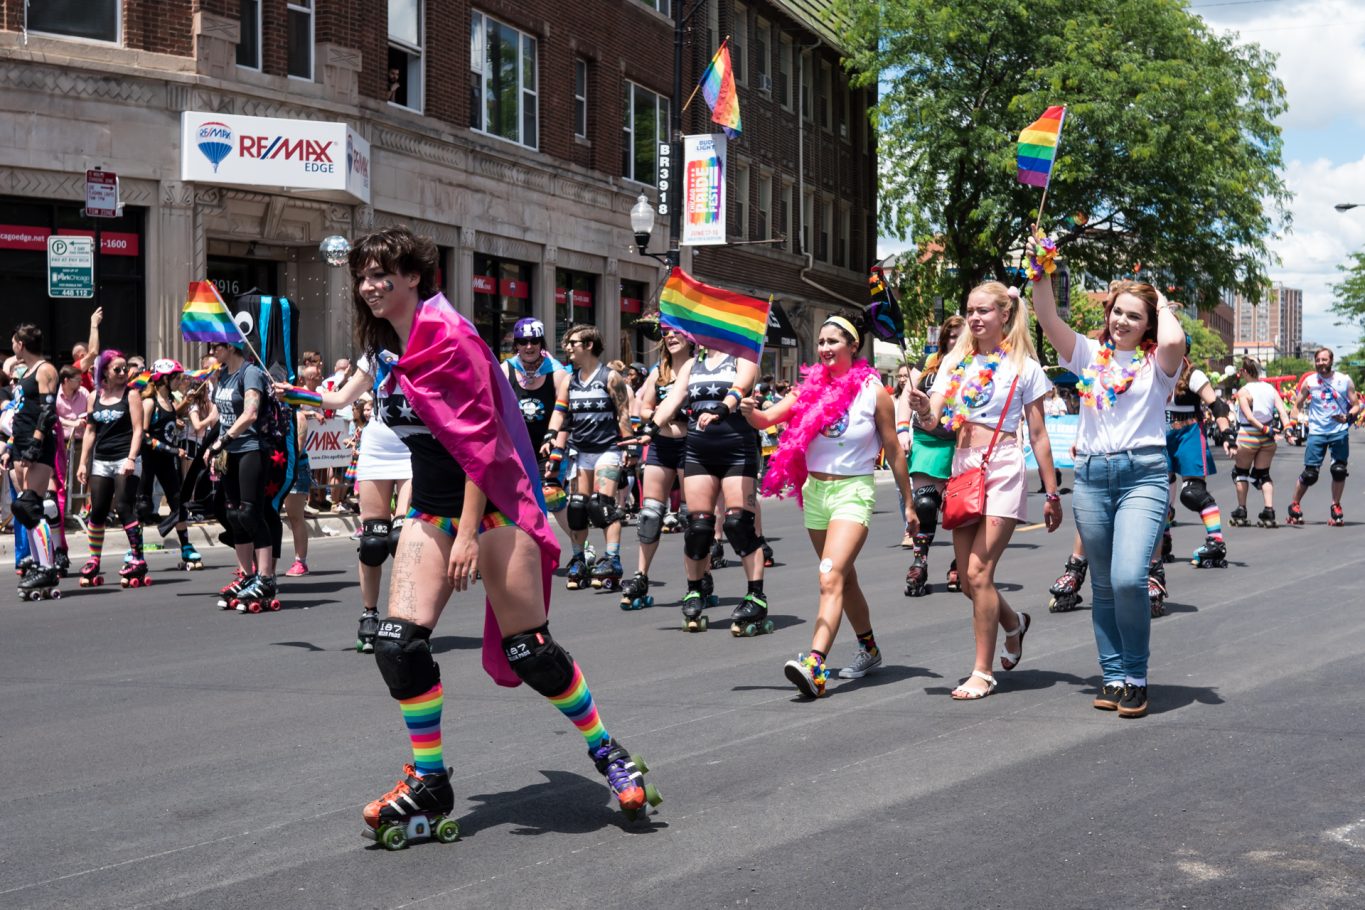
141,380
718,88
716,318
1038,147
197,376
205,317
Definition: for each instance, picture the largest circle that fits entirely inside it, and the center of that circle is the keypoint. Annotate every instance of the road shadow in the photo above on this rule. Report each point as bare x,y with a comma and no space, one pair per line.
718,619
442,643
883,675
291,604
1023,680
1164,698
301,645
326,587
1173,607
565,803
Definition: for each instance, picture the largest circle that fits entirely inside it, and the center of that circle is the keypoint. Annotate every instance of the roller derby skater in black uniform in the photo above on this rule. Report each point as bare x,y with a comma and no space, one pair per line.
1192,461
838,421
163,451
32,453
1329,401
1066,590
475,513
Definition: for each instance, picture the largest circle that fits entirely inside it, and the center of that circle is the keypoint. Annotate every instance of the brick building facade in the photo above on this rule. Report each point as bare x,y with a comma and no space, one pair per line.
517,134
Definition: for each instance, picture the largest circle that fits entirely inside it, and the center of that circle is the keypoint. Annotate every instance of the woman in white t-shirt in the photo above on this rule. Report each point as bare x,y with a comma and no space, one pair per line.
1257,405
838,421
1121,470
976,384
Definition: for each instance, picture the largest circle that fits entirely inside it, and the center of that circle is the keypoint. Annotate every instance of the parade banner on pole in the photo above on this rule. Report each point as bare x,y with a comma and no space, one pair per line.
325,443
703,221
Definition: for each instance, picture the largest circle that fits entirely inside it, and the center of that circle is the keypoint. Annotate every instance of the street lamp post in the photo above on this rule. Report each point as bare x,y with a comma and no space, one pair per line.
1347,206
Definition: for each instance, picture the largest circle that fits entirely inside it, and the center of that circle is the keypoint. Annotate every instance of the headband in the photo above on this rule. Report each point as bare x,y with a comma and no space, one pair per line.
847,326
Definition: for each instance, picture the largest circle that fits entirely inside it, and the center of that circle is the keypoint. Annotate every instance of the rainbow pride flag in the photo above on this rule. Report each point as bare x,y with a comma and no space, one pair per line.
205,317
197,376
1038,147
717,319
141,380
718,88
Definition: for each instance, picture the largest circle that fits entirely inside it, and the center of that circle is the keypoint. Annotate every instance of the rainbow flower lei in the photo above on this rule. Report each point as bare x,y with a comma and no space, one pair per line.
1043,260
1095,388
957,401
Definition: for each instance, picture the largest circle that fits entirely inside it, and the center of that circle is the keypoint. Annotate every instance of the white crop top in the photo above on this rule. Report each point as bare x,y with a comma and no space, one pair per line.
1261,401
849,446
1138,416
1033,384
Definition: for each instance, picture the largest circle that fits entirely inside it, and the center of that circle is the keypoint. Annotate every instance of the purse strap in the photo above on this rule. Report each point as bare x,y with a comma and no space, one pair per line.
1001,422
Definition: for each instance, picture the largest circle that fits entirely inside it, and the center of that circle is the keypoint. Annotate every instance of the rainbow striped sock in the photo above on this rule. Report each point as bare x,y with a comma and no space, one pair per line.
96,536
1213,522
40,543
423,717
577,705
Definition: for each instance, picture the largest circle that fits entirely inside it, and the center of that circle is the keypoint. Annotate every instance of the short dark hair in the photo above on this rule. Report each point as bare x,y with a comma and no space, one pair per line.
69,372
1331,354
588,333
31,336
397,250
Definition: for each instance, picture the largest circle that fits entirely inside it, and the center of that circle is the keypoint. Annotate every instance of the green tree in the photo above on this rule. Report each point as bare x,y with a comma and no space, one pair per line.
1206,345
1169,155
1288,366
1350,294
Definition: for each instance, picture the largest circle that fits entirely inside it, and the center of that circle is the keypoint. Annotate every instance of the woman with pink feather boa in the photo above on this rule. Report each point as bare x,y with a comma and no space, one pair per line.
838,420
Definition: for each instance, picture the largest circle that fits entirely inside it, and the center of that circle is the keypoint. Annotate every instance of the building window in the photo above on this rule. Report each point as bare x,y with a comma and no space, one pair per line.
782,85
739,42
822,93
635,345
93,20
741,228
663,6
786,216
300,40
644,124
841,239
807,220
575,293
502,295
580,98
808,64
823,247
841,106
503,99
762,59
765,206
405,53
249,44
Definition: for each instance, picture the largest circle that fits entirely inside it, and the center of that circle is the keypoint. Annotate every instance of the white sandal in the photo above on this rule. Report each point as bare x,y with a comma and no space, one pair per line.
1005,653
968,694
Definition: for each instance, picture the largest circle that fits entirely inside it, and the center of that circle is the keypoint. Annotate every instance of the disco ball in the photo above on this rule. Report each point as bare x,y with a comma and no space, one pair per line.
335,249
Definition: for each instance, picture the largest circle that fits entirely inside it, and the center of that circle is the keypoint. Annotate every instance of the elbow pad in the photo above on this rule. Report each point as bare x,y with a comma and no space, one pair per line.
1220,408
47,412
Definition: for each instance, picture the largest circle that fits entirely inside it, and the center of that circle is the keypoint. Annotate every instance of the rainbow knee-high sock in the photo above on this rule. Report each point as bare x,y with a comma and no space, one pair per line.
1213,522
577,705
423,718
40,543
96,538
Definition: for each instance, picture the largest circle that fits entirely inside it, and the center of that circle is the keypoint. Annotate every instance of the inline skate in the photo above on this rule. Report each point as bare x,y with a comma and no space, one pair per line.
190,560
607,572
576,575
228,591
1294,514
1336,518
417,807
1238,517
750,618
1267,518
1066,590
135,575
369,628
954,582
40,584
626,777
1156,588
90,574
1214,553
258,596
635,593
917,576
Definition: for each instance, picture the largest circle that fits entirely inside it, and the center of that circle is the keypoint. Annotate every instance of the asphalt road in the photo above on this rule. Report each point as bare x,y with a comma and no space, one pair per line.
160,753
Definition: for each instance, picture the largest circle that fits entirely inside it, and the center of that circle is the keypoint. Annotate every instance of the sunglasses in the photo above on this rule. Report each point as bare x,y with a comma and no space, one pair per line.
572,342
526,342
118,369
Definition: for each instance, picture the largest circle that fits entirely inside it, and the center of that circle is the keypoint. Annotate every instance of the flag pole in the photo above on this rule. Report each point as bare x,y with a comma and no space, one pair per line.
1043,202
240,333
697,88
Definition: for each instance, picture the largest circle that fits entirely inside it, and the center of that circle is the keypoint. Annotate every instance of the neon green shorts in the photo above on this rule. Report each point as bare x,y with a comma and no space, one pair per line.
845,499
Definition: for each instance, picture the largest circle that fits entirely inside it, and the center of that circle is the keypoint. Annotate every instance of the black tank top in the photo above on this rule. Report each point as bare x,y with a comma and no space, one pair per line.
30,399
164,428
113,429
595,427
536,406
706,389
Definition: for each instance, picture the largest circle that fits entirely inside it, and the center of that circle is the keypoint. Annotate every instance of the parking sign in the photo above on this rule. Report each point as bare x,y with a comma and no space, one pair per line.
70,266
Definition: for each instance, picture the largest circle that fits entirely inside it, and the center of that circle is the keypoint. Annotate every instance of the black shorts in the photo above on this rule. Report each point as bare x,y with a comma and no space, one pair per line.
47,455
665,452
721,455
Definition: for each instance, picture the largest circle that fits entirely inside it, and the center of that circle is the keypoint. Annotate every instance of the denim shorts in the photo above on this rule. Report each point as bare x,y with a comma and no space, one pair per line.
1338,446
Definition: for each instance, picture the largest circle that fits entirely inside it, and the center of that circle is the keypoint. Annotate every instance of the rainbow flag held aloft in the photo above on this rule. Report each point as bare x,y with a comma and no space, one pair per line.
197,376
140,381
718,88
205,317
1038,147
717,319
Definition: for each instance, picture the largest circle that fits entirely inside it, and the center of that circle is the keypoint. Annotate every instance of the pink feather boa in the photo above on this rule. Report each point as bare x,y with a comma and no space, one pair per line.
821,399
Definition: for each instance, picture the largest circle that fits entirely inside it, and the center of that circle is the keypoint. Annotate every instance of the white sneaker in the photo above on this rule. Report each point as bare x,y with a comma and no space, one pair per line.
863,663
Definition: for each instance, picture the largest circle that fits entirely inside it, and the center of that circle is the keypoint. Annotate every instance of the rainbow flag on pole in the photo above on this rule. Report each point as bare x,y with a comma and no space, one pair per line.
1038,147
718,88
718,319
205,317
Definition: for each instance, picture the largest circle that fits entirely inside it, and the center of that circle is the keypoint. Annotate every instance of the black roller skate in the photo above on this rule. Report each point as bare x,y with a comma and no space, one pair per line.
917,576
606,574
40,584
1238,517
1167,546
1294,514
229,591
25,565
694,620
369,627
1066,590
954,582
135,575
750,618
577,574
1267,518
90,574
417,807
635,593
626,778
1336,518
257,596
61,561
768,560
1156,588
190,560
708,589
671,523
1214,553
718,556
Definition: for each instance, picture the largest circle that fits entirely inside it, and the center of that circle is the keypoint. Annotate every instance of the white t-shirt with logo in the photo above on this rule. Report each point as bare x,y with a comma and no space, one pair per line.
1137,418
986,407
849,446
1327,399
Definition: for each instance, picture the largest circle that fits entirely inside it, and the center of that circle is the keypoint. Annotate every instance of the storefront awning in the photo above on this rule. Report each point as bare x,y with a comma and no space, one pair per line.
780,331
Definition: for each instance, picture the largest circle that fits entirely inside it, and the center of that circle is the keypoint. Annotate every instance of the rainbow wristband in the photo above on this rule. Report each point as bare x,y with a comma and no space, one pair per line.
556,454
561,406
302,398
737,392
902,426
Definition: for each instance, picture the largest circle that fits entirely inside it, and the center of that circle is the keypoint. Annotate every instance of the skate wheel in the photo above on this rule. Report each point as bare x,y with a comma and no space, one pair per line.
393,838
447,831
597,582
275,606
55,594
640,764
652,795
359,647
703,623
767,627
649,600
253,607
147,582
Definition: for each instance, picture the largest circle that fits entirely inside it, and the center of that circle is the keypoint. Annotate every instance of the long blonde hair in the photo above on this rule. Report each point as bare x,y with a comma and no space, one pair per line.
1016,334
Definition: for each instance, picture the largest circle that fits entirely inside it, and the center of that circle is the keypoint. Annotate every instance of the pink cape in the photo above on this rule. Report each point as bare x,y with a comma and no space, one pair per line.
453,383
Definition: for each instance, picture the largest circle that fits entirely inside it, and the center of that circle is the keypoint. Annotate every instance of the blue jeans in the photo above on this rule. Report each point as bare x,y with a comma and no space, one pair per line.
1120,504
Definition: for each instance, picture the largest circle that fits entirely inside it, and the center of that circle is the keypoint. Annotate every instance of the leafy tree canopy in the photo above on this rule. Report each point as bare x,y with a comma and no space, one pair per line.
1350,293
1169,156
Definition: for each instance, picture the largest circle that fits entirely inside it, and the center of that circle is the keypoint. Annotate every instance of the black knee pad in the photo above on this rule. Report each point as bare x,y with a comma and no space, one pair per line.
1339,472
578,512
1194,494
1309,475
927,502
404,657
28,509
701,531
1260,477
739,530
394,533
1243,475
539,661
601,510
242,520
374,541
651,521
